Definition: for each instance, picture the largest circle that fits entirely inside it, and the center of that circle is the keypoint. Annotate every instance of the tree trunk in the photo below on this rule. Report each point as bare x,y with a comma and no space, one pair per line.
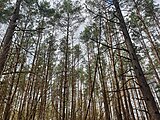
66,69
8,36
148,97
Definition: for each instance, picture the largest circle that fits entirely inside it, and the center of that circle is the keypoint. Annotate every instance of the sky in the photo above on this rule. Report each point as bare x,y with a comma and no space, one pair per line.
158,1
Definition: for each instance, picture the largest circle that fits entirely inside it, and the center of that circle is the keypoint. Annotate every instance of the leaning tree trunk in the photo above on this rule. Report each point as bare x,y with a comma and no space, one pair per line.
148,97
8,36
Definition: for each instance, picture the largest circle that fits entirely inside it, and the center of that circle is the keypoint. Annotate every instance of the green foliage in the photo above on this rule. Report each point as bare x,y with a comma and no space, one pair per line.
5,10
31,2
70,8
86,34
149,7
45,9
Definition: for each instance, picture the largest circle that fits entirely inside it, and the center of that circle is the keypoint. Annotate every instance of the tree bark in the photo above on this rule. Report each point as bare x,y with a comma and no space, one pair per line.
8,36
66,69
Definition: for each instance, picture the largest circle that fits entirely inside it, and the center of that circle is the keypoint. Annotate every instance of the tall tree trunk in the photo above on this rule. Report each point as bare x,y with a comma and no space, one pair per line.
73,80
66,69
122,77
105,98
7,110
148,97
102,78
8,36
